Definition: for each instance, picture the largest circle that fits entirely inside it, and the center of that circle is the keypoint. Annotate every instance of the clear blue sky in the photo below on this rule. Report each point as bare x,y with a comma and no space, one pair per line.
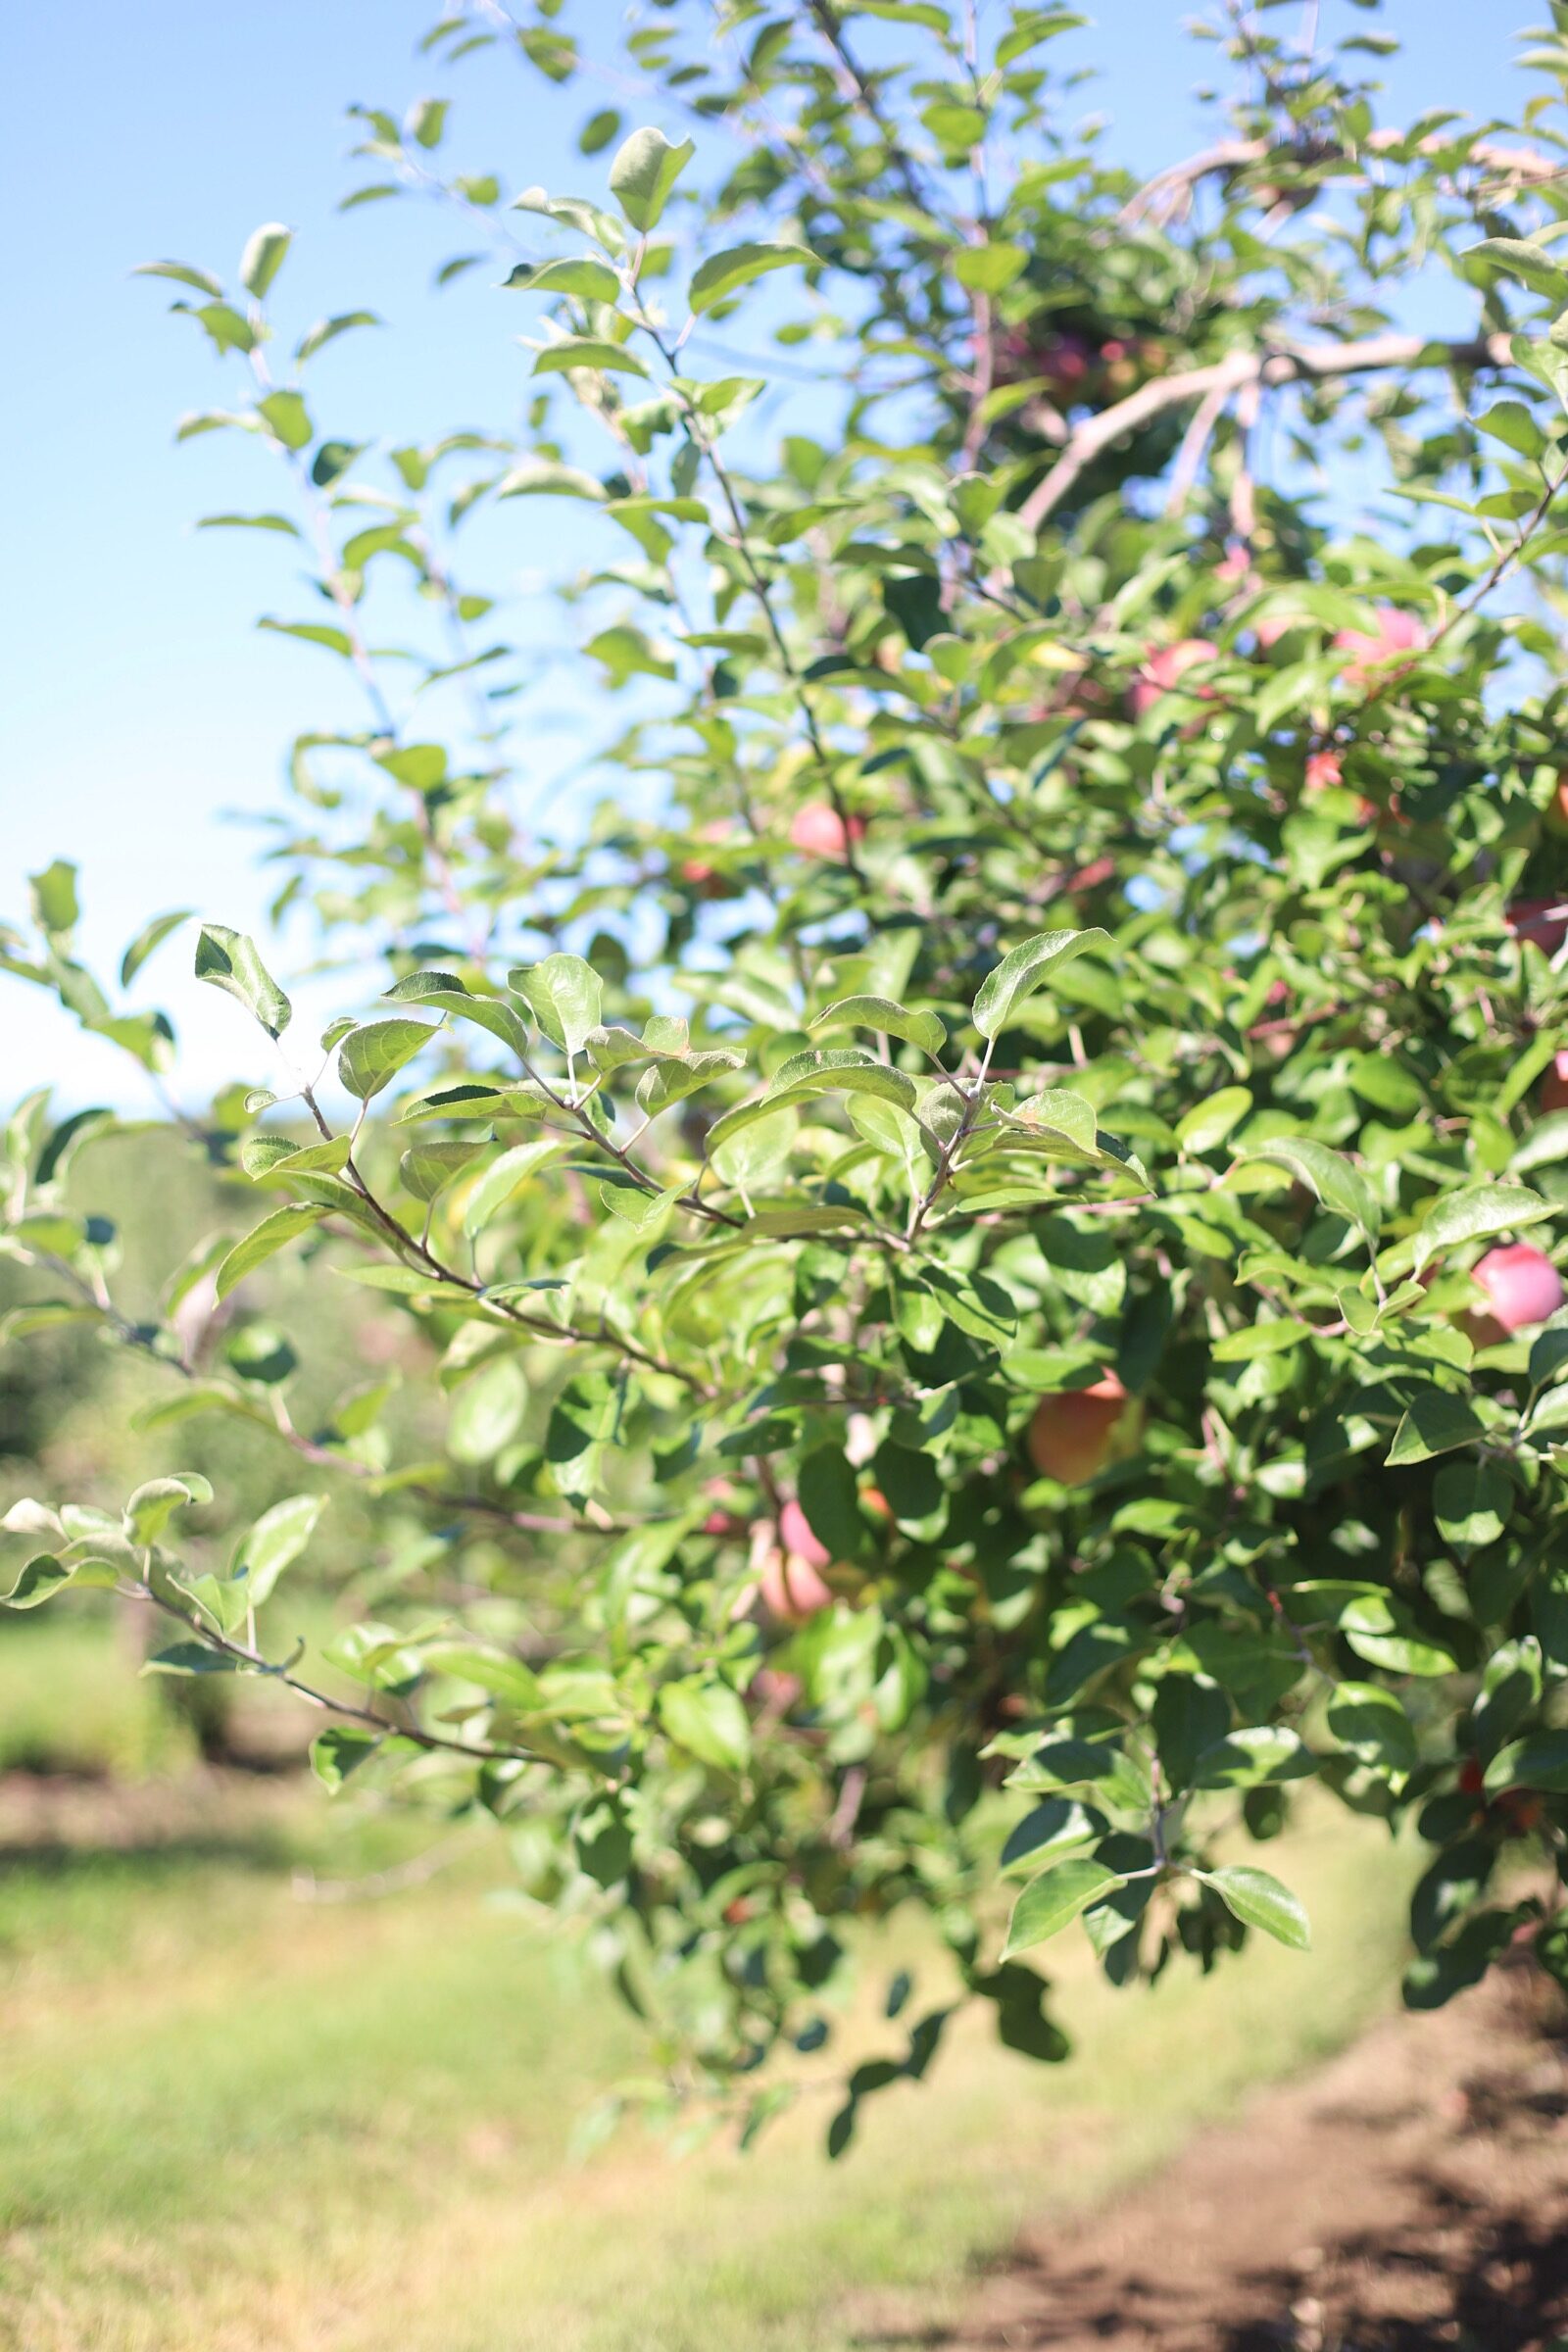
140,703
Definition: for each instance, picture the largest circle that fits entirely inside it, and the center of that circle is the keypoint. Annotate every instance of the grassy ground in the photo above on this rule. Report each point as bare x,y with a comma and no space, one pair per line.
233,2119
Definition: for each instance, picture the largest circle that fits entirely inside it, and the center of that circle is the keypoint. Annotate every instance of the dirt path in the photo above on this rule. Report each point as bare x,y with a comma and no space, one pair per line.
1414,2194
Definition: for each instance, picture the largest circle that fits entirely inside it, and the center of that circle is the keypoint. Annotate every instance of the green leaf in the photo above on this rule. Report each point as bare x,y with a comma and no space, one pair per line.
56,907
922,1029
1434,1422
272,1234
724,273
1054,1899
337,1753
1027,968
581,275
506,1176
988,269
426,1170
709,1721
1256,1757
1206,1125
231,961
587,351
1472,1214
566,997
288,417
1373,1725
1533,268
1539,1761
1258,1900
262,258
1339,1186
1259,1339
328,330
506,1678
1471,1500
1512,424
39,1582
645,170
370,1058
153,1506
488,1411
151,936
426,120
202,279
598,132
1378,1631
276,1542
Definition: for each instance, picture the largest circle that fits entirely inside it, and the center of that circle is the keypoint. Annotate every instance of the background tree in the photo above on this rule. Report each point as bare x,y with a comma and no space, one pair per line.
965,1214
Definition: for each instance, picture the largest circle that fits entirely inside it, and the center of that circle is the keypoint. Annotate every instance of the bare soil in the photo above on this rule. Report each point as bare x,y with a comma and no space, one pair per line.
1412,2193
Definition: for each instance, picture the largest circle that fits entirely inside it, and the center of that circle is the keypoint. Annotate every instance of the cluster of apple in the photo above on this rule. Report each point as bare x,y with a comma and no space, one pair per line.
1079,370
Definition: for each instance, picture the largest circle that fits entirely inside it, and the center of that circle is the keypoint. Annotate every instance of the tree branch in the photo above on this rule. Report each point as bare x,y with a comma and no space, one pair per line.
1287,364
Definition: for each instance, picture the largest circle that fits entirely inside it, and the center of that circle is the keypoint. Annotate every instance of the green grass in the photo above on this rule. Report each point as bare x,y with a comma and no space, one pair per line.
73,1699
234,2120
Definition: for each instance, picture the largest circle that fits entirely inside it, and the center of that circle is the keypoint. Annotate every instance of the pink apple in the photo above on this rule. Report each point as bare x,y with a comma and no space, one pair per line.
1396,633
1167,666
1523,1287
793,1588
819,830
796,1536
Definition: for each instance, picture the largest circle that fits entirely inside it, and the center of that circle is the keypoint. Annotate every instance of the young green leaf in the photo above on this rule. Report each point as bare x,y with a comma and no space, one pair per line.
1027,968
645,170
1054,1899
922,1029
370,1058
724,273
151,936
1473,1215
276,1542
1258,1900
580,274
1338,1184
262,258
263,1241
709,1721
231,961
566,997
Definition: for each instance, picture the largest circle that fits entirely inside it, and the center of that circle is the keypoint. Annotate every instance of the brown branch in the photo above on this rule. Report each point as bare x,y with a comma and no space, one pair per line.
863,91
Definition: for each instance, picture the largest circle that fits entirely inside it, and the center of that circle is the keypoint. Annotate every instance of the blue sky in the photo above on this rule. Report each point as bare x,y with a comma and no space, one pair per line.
141,703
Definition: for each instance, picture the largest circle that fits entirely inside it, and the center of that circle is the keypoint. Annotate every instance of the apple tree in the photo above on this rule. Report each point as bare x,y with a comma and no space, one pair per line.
975,1206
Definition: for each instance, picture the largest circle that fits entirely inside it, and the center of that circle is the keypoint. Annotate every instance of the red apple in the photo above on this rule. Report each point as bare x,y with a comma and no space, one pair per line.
1165,668
1077,1432
1523,1287
1554,1085
1396,633
819,830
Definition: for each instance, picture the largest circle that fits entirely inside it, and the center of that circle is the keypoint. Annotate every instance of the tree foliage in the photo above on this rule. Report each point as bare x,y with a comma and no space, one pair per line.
965,1202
